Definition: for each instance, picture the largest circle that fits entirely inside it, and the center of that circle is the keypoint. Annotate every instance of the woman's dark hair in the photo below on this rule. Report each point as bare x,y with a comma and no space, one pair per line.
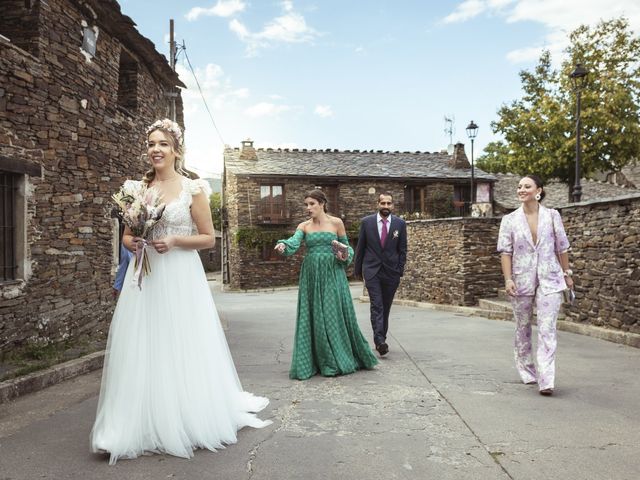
538,181
318,196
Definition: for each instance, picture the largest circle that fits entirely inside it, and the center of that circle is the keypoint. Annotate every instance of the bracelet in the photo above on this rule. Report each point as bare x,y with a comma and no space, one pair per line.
568,273
508,280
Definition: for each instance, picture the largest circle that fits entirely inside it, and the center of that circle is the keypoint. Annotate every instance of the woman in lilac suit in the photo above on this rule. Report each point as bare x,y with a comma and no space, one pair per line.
535,265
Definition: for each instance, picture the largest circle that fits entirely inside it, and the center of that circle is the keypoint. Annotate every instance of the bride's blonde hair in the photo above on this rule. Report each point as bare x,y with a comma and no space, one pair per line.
173,133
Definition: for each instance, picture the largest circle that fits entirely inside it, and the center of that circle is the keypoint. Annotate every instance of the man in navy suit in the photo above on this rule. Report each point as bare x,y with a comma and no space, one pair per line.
380,257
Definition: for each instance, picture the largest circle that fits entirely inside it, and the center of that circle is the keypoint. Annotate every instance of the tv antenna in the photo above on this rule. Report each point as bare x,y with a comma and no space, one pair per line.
449,129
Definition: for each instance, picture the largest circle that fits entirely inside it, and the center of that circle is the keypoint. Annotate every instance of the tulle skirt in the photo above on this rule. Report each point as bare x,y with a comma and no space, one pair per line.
169,384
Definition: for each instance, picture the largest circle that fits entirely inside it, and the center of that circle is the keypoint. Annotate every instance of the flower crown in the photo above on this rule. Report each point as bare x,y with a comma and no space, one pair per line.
168,125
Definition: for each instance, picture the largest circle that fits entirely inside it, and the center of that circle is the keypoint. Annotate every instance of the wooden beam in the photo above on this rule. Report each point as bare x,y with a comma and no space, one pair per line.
14,165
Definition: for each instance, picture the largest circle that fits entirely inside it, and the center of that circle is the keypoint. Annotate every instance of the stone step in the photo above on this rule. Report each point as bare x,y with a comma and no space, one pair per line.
502,294
493,314
501,308
495,304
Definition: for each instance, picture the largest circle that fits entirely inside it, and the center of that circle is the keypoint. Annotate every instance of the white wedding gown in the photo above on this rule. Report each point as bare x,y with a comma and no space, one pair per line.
169,383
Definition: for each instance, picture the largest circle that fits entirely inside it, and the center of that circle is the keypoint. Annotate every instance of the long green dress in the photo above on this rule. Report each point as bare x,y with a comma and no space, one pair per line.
328,339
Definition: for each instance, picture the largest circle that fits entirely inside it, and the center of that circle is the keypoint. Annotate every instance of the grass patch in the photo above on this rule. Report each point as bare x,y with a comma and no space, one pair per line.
33,357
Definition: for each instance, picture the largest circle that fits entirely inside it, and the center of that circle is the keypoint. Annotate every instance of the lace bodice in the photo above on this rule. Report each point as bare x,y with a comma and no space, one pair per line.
176,219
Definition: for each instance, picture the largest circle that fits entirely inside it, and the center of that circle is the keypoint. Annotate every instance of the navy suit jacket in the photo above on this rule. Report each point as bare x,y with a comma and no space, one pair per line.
371,256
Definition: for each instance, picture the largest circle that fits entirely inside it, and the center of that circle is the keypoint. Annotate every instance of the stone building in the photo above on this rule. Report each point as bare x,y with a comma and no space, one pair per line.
264,191
78,85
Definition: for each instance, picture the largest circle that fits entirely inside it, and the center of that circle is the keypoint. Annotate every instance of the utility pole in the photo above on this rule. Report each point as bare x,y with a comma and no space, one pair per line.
172,63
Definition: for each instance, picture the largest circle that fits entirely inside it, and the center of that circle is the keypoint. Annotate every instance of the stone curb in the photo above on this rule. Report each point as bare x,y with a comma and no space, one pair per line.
16,387
431,306
623,338
226,289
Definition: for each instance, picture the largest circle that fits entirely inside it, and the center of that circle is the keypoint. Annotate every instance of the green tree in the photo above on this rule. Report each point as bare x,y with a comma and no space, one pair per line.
539,129
215,205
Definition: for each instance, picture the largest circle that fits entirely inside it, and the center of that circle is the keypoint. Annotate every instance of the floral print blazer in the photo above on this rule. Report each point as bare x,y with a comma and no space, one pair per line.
538,264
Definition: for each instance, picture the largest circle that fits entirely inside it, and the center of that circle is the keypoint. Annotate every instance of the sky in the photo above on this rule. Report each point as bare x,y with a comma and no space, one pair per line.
356,74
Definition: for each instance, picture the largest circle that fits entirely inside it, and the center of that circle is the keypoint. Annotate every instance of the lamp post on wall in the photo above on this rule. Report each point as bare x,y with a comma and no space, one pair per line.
578,78
472,132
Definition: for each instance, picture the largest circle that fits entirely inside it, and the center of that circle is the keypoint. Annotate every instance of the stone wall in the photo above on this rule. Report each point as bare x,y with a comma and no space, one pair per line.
21,24
211,257
451,261
59,112
605,257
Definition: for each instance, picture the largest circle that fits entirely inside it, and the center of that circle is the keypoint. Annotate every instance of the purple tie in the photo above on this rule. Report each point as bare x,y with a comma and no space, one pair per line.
383,234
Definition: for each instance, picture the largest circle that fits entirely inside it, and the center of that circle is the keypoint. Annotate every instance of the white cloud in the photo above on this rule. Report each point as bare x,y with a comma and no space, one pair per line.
204,147
562,15
212,76
239,29
560,18
271,144
524,55
287,5
466,11
266,109
555,42
499,3
323,111
216,88
291,27
241,93
223,8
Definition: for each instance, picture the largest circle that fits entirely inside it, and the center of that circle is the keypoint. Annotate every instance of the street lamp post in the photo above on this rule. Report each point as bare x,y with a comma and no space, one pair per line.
472,131
578,78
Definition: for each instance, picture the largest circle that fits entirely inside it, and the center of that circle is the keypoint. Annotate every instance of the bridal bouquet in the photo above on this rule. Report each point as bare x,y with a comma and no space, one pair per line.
140,207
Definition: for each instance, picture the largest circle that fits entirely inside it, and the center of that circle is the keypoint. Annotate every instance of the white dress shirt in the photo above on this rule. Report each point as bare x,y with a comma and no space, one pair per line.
379,218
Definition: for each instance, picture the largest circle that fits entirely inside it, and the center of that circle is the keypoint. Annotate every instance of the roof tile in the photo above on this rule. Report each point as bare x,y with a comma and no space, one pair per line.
349,163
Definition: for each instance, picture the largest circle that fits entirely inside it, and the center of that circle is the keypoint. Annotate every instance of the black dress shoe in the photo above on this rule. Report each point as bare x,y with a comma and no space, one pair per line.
547,392
383,349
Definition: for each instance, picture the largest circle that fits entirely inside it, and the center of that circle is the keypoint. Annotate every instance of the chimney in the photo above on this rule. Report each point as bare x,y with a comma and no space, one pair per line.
247,152
459,159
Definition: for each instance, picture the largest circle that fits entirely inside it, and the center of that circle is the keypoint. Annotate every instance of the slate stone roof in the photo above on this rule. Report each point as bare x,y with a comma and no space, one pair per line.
348,163
557,194
632,174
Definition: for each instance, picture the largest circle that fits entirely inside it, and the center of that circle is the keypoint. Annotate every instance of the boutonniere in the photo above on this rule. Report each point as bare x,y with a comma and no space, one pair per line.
395,234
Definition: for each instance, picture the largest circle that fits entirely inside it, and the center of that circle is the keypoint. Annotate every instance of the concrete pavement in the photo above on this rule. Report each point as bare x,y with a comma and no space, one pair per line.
446,403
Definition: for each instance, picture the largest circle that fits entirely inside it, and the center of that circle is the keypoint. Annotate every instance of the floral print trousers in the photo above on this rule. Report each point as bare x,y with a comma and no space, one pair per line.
547,308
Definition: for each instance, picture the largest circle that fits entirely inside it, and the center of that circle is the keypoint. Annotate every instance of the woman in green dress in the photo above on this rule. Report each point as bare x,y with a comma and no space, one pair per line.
327,340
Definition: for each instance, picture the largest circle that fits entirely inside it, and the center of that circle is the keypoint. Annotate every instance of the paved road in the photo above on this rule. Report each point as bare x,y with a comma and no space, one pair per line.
446,403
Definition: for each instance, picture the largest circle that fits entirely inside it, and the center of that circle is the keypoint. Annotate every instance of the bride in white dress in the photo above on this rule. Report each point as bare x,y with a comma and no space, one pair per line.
169,384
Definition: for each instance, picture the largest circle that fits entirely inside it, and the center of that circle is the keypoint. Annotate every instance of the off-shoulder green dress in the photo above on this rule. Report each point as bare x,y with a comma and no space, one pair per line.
327,339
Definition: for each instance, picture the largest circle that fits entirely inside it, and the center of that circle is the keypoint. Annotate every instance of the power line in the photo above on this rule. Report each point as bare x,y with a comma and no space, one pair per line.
183,48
